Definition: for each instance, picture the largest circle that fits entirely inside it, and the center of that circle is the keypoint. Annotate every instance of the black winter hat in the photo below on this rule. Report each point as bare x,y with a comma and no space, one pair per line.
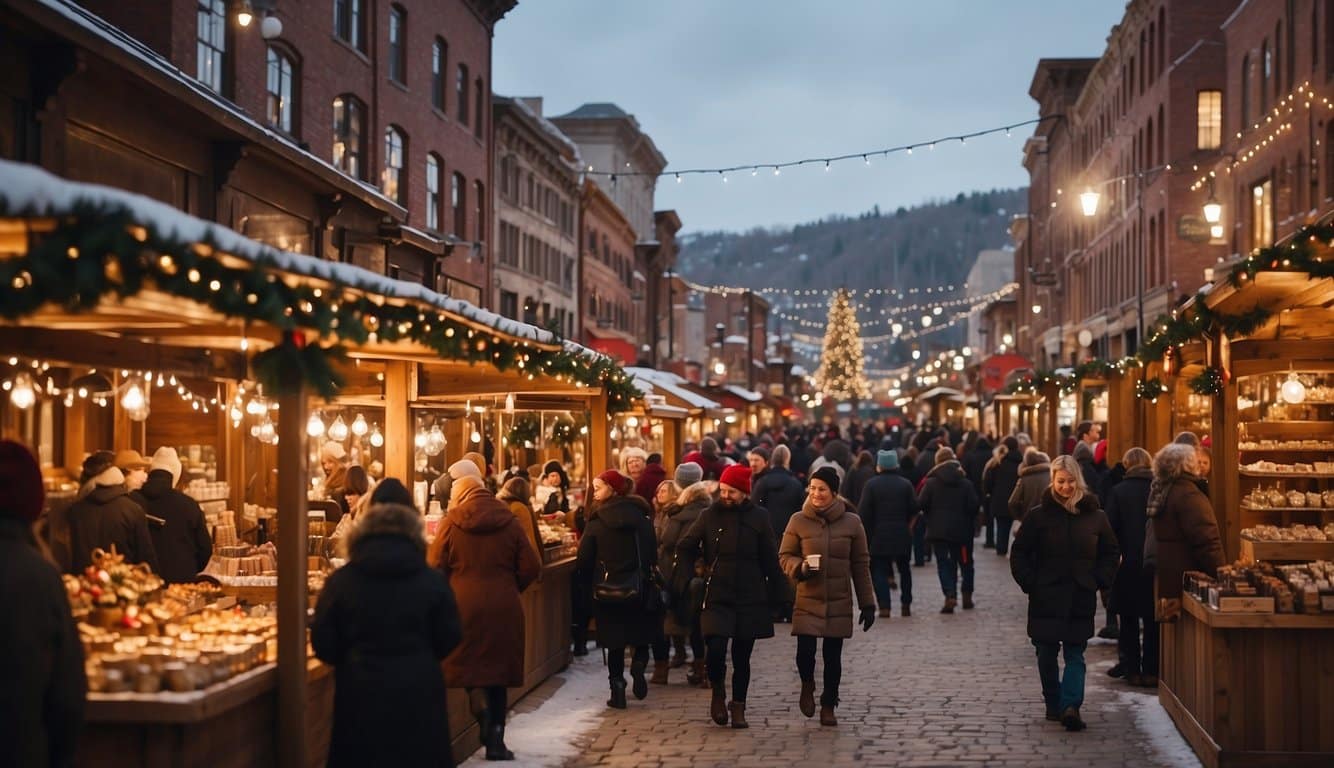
828,476
391,491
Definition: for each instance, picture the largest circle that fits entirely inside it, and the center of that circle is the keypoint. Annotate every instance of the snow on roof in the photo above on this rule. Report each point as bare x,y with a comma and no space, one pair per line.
546,125
32,191
98,26
735,339
743,393
799,370
776,361
946,392
671,384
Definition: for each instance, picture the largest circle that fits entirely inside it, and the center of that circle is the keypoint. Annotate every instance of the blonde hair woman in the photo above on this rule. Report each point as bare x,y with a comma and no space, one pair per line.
1064,554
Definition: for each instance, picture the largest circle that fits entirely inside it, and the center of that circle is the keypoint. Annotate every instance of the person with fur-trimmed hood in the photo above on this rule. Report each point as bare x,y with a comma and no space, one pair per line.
949,504
104,516
685,579
1183,535
384,622
1034,478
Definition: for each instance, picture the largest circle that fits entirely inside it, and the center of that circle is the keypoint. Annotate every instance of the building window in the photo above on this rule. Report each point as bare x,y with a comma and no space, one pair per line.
1262,214
211,46
347,23
1245,92
1266,75
282,89
433,166
479,207
479,110
439,55
461,92
1209,119
509,304
398,45
348,149
458,195
394,179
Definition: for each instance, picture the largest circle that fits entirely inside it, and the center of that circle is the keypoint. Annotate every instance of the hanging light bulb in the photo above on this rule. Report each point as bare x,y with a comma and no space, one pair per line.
509,403
135,399
359,426
420,439
435,441
476,436
632,422
315,425
377,439
22,395
254,407
338,430
236,415
1293,390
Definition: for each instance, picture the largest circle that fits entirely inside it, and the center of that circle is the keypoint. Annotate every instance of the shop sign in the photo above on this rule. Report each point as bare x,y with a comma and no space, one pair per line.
1193,229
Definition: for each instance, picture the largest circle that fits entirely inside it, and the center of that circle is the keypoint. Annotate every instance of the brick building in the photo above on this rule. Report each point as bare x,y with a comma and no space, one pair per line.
610,319
1129,126
537,206
737,327
359,133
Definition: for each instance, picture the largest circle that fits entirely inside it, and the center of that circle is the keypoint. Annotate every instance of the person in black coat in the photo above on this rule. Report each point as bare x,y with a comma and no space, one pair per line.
888,510
105,516
914,469
1127,511
949,503
974,460
41,658
384,622
778,491
181,540
1000,484
1065,552
743,583
618,547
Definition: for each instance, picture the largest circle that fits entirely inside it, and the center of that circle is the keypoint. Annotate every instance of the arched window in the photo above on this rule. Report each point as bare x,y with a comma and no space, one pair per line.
458,192
439,58
282,80
394,179
349,149
434,169
479,111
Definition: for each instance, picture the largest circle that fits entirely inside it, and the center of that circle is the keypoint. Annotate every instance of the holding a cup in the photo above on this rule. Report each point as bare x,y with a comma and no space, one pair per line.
812,563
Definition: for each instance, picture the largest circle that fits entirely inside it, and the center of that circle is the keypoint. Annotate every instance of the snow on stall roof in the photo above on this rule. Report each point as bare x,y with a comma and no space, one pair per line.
735,339
743,393
32,191
672,384
108,32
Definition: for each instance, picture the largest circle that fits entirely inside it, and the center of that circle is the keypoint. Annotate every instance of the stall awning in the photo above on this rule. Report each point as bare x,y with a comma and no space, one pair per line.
997,367
743,393
613,346
941,392
672,385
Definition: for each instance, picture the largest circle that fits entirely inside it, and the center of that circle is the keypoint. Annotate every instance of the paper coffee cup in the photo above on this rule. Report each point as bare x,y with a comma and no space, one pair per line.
813,562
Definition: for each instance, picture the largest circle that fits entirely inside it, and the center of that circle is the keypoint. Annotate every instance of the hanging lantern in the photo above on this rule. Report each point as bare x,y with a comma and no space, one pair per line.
509,403
1293,390
22,395
314,425
476,436
359,426
377,439
435,441
135,399
338,430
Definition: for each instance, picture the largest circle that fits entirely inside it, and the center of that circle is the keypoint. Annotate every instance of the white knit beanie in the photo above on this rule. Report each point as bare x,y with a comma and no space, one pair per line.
166,458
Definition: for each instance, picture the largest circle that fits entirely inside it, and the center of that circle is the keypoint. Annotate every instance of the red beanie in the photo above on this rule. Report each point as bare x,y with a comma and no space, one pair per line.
620,484
21,479
737,476
1100,452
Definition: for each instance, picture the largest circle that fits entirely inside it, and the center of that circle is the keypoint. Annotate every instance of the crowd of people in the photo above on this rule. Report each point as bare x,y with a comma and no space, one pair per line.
685,566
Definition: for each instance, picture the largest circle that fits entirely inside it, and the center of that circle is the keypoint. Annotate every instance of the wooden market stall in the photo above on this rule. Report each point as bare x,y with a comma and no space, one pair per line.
1247,671
200,334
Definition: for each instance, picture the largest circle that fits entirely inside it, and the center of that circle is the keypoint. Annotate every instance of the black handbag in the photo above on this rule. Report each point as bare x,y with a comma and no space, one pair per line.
624,591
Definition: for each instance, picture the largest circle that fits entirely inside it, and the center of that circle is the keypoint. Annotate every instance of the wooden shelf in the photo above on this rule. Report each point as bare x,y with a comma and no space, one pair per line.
1287,475
1286,551
1220,620
1248,508
1329,450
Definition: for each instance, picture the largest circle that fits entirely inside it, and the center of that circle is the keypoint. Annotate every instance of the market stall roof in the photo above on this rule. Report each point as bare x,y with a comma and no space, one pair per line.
185,281
941,392
743,393
670,383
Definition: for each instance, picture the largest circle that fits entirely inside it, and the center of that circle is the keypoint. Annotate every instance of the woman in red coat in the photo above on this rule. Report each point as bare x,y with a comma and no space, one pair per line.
489,561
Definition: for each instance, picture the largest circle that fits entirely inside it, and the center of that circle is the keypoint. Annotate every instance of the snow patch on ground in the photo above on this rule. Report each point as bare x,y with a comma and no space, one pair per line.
550,735
1156,727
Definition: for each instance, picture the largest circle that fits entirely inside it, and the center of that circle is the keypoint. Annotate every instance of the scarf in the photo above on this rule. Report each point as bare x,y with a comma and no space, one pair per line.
820,512
1071,504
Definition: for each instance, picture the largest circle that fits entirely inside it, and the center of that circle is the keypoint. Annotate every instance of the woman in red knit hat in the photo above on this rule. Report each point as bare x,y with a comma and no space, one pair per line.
618,548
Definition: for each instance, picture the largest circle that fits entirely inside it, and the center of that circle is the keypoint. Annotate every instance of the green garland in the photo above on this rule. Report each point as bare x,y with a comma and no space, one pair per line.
1209,382
99,251
527,428
564,431
1150,389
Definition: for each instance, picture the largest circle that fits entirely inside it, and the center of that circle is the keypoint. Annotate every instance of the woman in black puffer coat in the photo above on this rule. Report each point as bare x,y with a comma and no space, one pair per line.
685,578
949,504
1065,552
1127,511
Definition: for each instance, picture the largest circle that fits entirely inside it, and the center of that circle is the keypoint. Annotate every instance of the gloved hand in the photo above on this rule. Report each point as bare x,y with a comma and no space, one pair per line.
868,618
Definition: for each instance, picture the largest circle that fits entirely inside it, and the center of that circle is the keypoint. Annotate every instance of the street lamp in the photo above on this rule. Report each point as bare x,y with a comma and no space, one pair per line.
1213,210
1088,202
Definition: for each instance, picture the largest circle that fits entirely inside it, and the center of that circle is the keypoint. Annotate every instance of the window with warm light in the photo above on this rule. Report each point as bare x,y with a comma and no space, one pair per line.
395,152
211,43
433,166
1209,119
280,84
348,149
1262,214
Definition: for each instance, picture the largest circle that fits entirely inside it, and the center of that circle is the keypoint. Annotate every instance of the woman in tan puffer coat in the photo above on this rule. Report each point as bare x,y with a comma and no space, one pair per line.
826,526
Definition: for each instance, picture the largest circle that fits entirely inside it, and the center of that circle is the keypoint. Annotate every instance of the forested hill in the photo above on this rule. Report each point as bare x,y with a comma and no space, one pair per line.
934,244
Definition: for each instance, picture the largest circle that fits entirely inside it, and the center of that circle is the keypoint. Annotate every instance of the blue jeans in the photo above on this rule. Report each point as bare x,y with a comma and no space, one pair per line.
950,559
882,571
1058,692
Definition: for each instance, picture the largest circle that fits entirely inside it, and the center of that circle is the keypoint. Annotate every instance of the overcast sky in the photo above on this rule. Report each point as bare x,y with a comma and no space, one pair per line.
733,82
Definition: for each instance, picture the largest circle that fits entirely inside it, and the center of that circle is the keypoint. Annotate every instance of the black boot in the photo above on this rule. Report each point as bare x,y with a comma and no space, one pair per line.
579,636
495,743
617,700
640,686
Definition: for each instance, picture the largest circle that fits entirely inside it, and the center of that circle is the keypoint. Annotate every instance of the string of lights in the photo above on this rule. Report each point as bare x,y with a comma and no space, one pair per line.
1304,94
777,167
732,290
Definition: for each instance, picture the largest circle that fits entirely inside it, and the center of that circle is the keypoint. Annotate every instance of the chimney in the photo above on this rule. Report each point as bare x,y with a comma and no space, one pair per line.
534,104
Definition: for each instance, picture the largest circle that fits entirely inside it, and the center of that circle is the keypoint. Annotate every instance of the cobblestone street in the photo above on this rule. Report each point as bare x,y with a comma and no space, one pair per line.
928,690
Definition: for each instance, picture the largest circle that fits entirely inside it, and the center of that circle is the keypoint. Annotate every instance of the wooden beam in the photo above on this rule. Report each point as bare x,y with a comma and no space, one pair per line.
1224,482
400,380
599,445
101,350
292,564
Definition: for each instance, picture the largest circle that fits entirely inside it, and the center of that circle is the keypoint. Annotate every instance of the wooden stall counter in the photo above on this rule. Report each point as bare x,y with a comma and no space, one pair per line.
233,723
1251,689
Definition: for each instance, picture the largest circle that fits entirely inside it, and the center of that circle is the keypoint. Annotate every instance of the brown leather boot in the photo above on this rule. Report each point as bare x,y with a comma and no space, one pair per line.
906,610
949,605
968,601
659,673
696,675
718,705
678,653
738,711
827,716
807,700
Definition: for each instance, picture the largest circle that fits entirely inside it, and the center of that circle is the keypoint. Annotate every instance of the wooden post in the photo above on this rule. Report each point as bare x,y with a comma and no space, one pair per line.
671,442
1121,433
233,449
292,526
1051,420
1224,483
400,390
599,448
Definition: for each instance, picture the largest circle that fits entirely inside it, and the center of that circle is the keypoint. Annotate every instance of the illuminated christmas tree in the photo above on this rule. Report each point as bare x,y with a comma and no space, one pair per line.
842,373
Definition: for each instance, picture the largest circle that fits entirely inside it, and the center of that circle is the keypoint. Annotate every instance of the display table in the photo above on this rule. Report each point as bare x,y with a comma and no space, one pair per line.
1250,689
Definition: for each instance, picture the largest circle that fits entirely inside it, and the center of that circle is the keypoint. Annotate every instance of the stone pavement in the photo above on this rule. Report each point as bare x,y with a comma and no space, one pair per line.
928,690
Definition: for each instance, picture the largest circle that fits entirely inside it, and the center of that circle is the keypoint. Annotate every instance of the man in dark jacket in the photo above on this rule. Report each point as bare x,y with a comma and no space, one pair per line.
950,505
778,491
888,509
999,485
744,581
974,463
41,658
1127,511
105,516
708,458
180,534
